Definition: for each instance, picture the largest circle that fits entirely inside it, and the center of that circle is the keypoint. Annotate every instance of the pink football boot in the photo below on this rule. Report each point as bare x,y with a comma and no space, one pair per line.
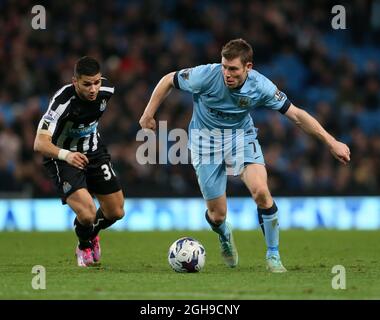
96,251
84,257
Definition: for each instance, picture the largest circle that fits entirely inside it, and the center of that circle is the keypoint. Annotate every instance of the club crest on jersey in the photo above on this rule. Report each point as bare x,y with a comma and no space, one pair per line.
103,105
244,102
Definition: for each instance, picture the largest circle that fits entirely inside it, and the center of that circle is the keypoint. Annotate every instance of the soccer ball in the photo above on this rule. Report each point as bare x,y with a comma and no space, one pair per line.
187,255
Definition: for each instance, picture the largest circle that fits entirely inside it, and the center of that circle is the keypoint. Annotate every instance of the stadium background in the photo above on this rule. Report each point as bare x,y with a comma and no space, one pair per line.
333,74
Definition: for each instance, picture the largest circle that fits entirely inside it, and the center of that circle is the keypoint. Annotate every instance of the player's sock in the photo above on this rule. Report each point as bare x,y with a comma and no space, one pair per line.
220,229
101,222
84,234
261,221
270,228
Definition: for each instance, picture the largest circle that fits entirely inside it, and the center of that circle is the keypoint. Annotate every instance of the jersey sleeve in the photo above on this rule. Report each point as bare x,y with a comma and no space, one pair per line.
58,106
272,97
107,89
193,80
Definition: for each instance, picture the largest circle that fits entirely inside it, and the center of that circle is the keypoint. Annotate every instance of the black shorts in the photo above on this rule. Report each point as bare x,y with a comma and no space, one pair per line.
98,177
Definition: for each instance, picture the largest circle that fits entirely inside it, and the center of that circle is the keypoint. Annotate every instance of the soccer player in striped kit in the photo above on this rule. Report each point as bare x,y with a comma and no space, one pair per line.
76,158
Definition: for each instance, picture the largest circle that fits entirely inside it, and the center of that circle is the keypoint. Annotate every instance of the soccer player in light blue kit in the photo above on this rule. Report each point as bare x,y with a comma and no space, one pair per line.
223,95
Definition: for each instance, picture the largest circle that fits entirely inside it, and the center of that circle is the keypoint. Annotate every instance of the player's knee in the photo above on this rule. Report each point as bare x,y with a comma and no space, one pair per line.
85,219
115,213
118,213
86,214
261,195
217,214
219,219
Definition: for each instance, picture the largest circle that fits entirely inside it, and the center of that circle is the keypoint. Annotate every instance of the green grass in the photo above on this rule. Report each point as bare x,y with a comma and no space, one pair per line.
134,266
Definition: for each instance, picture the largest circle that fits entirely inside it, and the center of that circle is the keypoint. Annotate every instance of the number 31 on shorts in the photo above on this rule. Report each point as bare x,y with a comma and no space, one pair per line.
108,171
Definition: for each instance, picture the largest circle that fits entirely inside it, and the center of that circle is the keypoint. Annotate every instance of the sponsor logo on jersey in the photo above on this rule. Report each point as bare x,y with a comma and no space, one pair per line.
82,131
222,115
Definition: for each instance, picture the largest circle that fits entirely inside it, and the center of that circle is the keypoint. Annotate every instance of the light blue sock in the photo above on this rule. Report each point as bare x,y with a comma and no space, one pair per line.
221,229
271,233
268,220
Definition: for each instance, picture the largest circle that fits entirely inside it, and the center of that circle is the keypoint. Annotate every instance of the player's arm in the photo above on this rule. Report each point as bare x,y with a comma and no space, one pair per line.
311,126
160,92
43,144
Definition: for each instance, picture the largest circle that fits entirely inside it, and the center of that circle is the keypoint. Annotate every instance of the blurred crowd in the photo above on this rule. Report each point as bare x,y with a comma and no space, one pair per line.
333,74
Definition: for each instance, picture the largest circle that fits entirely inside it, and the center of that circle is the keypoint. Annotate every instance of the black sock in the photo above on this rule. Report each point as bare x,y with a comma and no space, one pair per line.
101,222
261,221
210,222
84,234
220,228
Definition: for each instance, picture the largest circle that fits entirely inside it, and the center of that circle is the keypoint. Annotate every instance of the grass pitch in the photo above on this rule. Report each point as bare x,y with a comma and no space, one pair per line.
134,266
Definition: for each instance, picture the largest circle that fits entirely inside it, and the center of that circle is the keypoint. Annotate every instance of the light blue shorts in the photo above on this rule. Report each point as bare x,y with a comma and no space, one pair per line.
212,177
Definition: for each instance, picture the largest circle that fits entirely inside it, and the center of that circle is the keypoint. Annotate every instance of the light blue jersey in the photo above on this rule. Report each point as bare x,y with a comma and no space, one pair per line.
217,106
221,132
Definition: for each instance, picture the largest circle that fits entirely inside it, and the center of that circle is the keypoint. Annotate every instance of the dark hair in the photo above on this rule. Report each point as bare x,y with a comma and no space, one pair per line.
86,66
238,48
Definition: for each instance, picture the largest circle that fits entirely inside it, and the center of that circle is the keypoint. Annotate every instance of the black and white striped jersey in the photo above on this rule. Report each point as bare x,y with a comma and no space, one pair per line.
72,122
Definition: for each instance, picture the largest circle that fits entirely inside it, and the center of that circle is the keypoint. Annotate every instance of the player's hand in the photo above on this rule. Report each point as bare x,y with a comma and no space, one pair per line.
77,159
147,122
341,152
